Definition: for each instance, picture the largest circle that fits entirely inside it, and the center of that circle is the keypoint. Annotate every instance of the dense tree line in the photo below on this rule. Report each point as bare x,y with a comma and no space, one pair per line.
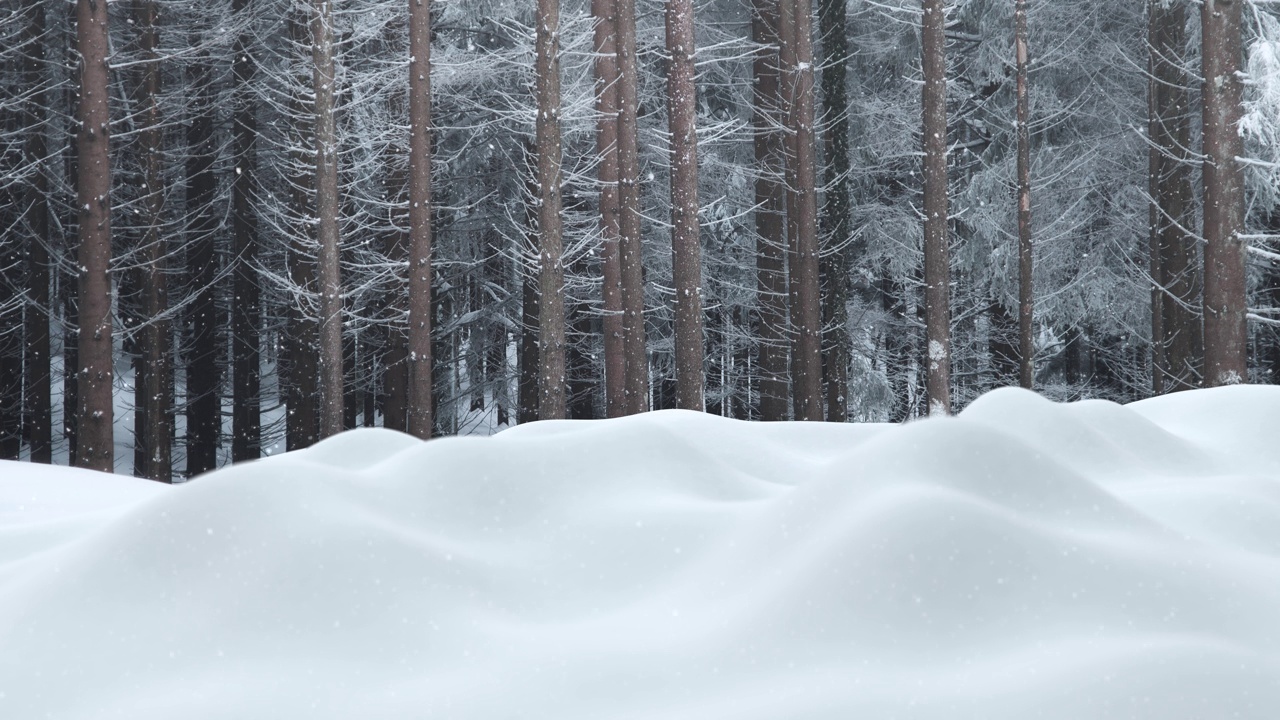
239,226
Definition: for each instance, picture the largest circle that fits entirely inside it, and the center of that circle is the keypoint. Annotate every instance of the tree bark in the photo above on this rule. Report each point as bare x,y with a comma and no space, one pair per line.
327,203
246,415
155,386
204,401
606,70
420,403
38,409
937,262
1026,347
96,445
835,266
686,247
630,249
302,420
551,314
795,31
1177,339
1225,336
771,272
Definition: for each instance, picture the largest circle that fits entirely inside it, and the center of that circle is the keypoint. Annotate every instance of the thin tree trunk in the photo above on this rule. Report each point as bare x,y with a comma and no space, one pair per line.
1026,348
631,258
1177,334
771,273
204,402
246,416
606,69
527,383
551,314
155,435
1225,336
937,263
686,248
420,402
330,284
96,446
395,376
835,268
38,409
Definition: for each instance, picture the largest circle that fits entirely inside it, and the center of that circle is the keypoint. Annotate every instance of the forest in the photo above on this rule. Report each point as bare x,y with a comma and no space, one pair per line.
232,228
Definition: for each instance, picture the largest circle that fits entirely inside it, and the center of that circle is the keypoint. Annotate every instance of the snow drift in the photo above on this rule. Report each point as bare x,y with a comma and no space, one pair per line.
1024,560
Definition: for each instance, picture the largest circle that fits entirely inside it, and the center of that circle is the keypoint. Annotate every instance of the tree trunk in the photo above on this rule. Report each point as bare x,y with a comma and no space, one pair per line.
630,249
303,419
837,235
551,317
1225,336
1177,338
330,284
204,402
686,248
795,32
155,435
771,273
38,420
606,69
96,449
937,263
246,416
1026,347
420,403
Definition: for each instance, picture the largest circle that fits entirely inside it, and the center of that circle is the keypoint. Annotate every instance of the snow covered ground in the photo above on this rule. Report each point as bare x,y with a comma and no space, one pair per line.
1024,560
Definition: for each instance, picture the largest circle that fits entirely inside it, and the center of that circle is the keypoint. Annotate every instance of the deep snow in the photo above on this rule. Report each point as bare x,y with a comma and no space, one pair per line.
1024,560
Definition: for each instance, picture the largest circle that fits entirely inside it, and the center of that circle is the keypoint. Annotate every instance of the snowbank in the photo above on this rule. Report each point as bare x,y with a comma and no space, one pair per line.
1024,560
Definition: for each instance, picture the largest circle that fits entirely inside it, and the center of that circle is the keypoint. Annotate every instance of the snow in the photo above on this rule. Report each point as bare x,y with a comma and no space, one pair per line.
1023,560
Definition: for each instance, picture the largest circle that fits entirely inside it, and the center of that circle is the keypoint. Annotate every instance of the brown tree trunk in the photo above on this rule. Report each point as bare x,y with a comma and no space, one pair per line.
771,273
38,420
606,69
420,403
155,386
1177,338
836,221
303,420
631,258
96,448
330,284
395,374
246,416
1225,336
1026,347
551,317
937,262
795,32
686,248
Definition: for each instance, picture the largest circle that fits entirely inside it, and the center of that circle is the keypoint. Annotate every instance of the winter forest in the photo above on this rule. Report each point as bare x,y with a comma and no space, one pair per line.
236,227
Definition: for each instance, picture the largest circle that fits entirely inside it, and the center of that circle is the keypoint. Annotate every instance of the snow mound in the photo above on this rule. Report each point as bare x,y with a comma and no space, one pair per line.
1025,559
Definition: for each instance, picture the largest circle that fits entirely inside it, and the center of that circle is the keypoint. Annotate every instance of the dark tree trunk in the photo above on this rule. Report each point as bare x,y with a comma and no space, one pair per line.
837,235
38,422
327,209
95,422
1026,347
12,269
1225,336
631,258
421,404
527,383
937,263
303,419
246,415
551,315
1002,345
155,381
606,70
1176,331
395,370
686,248
204,402
771,274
